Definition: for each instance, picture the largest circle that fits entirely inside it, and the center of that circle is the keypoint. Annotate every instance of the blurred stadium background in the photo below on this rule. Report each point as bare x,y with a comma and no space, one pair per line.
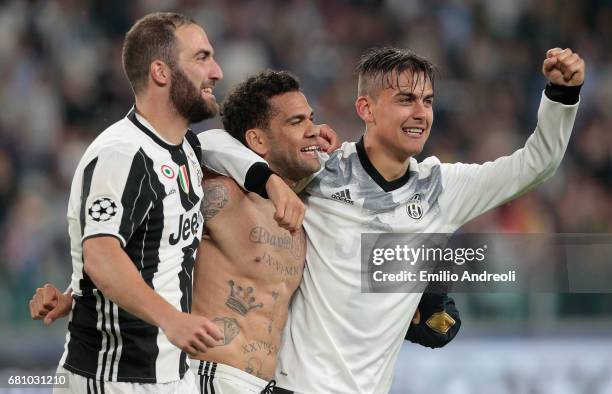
61,84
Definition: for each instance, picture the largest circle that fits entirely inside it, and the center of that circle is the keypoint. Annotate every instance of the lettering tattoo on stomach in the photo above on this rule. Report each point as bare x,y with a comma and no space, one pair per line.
284,270
295,245
266,347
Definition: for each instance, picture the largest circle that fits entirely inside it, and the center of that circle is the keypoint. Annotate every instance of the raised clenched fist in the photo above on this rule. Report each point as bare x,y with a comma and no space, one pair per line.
563,67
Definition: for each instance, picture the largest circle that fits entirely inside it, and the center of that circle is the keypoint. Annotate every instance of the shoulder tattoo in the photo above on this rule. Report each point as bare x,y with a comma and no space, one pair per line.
216,196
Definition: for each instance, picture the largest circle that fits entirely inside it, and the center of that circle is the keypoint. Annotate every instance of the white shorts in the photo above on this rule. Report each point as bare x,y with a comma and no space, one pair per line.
219,378
78,384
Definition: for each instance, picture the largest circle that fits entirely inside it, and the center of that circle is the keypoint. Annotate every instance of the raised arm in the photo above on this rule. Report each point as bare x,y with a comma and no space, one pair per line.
471,189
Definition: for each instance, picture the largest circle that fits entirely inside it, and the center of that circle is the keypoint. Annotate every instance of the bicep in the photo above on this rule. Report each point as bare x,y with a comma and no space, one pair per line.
100,253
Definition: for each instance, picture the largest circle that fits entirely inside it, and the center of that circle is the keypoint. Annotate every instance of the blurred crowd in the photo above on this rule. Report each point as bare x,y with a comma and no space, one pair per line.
541,366
61,84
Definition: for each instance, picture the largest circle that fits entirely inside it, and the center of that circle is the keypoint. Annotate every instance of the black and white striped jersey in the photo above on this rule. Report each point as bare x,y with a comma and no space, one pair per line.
132,185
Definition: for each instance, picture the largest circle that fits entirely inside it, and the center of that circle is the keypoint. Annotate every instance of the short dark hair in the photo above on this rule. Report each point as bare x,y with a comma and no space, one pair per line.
378,66
248,104
151,37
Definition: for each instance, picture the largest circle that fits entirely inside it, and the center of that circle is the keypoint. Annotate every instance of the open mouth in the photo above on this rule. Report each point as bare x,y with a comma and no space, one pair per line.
208,91
413,131
311,150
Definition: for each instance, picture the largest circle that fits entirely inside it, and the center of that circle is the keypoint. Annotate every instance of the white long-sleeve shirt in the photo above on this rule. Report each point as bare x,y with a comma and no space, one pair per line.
340,340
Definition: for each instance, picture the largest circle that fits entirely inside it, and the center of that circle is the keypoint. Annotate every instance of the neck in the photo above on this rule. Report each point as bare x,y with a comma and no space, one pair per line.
386,163
160,113
290,182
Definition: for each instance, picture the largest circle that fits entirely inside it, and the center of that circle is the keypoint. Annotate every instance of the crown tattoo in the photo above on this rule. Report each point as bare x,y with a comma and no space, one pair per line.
240,300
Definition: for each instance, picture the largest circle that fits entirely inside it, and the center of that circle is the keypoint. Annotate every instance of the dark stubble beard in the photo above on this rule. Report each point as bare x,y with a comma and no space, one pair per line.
288,166
188,100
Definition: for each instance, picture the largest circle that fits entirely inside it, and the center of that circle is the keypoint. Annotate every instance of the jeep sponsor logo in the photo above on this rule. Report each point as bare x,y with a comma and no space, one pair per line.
187,227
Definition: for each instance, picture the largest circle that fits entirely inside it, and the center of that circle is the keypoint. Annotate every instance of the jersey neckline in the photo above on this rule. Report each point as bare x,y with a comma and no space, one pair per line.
132,117
367,165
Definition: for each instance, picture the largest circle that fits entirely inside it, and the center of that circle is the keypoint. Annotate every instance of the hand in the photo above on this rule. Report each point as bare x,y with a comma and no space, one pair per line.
50,304
563,67
328,140
192,334
441,321
290,210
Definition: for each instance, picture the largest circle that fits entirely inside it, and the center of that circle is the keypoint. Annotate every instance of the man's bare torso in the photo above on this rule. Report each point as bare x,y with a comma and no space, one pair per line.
246,272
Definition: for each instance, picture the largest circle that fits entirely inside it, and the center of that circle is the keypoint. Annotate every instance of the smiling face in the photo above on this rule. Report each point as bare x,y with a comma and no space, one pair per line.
194,75
292,137
402,115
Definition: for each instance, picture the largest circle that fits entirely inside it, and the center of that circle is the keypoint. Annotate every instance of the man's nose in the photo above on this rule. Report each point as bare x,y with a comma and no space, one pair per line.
216,73
313,130
419,110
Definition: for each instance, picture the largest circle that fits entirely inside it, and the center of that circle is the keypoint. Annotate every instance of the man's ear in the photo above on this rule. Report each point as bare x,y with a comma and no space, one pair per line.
363,105
257,140
159,73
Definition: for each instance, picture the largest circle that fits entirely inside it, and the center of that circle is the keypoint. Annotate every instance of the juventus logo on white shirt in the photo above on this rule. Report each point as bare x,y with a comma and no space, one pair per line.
414,208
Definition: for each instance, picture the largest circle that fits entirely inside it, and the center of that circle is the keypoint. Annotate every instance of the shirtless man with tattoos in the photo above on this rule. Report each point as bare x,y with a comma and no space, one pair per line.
248,267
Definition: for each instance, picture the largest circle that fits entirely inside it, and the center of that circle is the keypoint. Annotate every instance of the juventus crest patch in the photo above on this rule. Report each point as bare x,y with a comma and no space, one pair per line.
414,208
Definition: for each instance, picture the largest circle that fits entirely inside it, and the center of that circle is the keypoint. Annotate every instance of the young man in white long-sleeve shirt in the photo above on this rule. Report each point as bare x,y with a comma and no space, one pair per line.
338,339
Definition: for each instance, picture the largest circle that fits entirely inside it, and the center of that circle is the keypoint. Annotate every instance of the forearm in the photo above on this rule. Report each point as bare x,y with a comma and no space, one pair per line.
115,275
471,189
544,150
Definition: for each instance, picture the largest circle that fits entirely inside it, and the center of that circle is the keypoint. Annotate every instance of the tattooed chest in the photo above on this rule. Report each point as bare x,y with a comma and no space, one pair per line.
280,254
285,270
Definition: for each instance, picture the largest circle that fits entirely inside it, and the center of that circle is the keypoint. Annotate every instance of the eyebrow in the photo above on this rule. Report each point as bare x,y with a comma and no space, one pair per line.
411,95
205,52
300,117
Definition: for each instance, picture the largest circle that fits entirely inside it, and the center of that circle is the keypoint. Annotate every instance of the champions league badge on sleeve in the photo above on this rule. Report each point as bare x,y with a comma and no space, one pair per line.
102,209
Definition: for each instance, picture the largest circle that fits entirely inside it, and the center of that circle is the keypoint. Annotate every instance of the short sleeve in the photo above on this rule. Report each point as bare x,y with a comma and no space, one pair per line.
117,194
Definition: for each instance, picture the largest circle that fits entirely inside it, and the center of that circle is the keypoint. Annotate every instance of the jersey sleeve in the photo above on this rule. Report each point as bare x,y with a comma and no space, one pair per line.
225,155
118,190
471,189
